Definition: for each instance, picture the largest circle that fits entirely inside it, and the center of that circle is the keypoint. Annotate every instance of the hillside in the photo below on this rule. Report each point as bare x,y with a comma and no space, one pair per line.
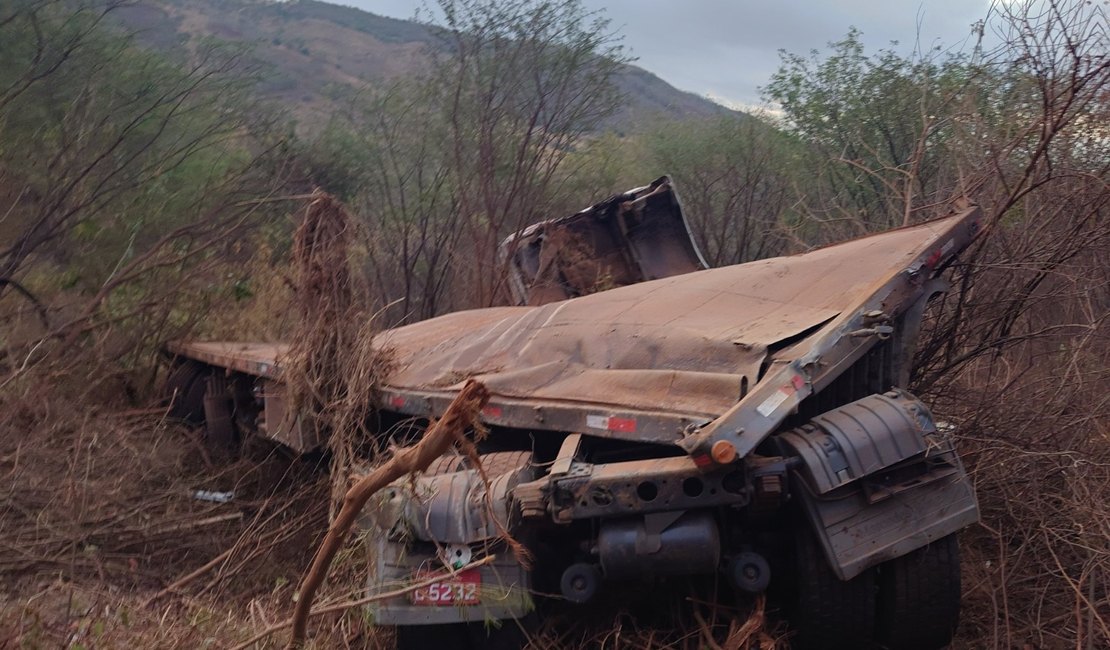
309,48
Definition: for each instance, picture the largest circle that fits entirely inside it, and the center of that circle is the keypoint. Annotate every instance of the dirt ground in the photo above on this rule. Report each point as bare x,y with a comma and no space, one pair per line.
105,542
113,536
104,512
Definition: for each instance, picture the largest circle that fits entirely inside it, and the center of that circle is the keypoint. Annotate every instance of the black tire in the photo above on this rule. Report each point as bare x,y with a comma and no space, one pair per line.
453,636
184,390
826,612
919,597
509,635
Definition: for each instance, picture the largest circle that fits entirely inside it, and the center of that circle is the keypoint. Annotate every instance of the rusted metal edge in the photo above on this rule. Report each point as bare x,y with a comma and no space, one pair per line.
595,420
268,369
740,430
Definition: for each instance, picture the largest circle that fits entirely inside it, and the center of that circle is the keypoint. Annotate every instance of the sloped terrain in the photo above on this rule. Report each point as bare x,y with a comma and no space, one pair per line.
309,50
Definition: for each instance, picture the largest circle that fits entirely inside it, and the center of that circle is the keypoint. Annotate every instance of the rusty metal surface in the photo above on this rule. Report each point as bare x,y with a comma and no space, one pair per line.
643,486
685,344
281,424
648,361
875,303
258,359
628,238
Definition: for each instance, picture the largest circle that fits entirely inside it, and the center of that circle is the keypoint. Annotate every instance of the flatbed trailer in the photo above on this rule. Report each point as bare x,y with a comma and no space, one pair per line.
751,421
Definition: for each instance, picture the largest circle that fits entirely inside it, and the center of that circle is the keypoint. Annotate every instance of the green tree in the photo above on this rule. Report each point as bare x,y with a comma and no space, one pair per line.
734,176
122,173
522,84
385,156
879,126
443,166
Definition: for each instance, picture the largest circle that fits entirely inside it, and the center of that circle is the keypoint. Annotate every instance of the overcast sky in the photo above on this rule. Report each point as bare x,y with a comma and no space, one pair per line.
727,49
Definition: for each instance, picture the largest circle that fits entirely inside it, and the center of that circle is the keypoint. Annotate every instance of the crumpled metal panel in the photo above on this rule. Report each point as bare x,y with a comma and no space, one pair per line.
685,343
630,237
688,344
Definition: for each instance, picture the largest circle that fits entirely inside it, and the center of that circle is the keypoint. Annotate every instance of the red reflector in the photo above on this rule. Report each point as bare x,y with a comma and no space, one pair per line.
702,460
397,402
492,411
622,424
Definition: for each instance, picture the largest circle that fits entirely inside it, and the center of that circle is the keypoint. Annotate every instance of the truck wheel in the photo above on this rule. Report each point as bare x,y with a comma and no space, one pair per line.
509,635
919,597
453,636
219,435
827,612
185,388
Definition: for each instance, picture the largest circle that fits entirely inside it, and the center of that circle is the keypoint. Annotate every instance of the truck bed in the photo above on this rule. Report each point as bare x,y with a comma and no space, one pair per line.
650,361
258,359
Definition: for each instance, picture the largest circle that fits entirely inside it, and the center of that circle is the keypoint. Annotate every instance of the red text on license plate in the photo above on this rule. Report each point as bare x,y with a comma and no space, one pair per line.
460,589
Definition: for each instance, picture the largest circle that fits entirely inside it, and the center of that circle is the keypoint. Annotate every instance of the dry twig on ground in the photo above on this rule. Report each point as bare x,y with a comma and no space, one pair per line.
458,417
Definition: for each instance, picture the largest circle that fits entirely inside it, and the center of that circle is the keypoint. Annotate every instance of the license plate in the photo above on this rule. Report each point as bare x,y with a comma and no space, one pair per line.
460,589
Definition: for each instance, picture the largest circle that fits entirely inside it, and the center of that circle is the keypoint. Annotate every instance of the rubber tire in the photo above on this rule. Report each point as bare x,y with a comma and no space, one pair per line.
185,388
919,597
511,635
588,571
829,613
452,636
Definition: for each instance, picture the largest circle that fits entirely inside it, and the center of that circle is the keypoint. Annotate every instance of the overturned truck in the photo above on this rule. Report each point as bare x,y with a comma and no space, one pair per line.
750,422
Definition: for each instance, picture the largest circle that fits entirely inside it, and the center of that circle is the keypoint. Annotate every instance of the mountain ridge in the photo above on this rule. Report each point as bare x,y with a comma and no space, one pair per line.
309,46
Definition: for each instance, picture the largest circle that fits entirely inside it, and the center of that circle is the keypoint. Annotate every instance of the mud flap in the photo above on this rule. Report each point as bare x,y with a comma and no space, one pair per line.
878,480
857,532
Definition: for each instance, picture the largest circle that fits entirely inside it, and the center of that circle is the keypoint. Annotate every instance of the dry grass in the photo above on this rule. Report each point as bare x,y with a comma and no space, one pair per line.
685,622
1037,569
104,544
1018,358
333,368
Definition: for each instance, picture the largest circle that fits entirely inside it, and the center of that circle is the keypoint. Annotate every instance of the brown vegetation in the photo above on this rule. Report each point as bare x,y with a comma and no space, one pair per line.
157,207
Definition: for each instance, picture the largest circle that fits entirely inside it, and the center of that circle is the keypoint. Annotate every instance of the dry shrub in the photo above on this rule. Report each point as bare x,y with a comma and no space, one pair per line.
100,512
665,622
1018,358
333,368
260,305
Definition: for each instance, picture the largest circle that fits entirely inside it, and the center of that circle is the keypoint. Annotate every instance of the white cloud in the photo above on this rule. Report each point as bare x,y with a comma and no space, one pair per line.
730,47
